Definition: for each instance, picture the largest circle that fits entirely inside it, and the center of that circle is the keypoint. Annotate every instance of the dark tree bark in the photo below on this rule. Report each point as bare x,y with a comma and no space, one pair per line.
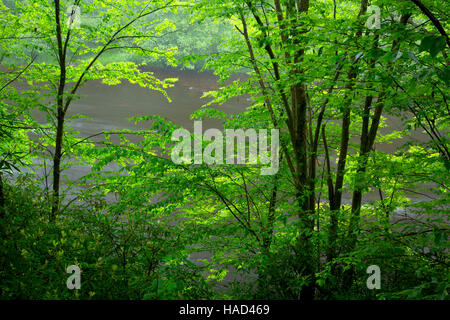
335,198
368,137
60,113
433,19
297,123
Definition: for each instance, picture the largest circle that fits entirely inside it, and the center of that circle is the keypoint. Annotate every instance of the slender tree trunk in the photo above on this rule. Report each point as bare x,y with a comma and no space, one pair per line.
433,19
297,123
305,250
332,231
335,198
306,262
368,137
60,114
268,236
57,162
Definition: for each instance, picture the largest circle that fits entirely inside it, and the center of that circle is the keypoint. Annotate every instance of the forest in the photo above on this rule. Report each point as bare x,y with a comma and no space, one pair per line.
224,149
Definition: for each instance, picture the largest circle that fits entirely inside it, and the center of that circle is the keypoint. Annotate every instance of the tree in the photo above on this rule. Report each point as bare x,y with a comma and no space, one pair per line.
316,70
285,46
71,56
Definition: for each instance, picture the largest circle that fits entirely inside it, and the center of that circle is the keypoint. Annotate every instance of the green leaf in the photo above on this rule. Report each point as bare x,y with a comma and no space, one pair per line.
433,44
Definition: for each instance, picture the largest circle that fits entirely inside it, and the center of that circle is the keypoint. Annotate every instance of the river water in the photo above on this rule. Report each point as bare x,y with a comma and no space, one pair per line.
110,107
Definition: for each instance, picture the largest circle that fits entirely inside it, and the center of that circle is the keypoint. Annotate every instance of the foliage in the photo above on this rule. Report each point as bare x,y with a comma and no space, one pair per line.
137,221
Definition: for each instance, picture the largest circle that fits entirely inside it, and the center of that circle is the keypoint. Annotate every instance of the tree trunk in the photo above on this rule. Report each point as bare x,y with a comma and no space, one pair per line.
60,114
368,137
335,198
57,162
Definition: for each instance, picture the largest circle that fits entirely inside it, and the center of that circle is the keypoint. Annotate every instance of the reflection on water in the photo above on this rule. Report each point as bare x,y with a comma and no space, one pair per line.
110,107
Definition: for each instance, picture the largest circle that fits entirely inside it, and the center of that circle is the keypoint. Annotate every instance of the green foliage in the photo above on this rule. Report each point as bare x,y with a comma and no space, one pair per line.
122,254
143,227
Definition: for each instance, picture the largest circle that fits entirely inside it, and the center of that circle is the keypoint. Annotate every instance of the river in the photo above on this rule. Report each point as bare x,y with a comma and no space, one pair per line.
110,107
